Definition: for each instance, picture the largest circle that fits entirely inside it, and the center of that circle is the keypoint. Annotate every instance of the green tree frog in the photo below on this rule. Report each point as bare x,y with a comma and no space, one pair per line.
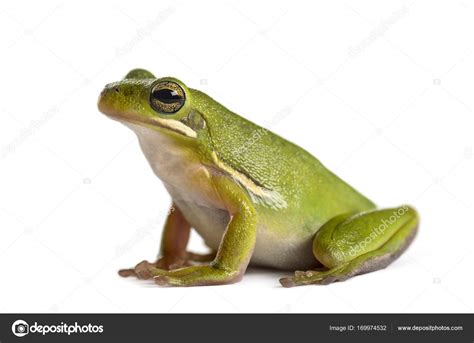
254,197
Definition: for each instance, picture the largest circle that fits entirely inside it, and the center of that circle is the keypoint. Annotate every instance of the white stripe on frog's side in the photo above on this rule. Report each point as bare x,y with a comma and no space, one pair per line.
258,194
175,125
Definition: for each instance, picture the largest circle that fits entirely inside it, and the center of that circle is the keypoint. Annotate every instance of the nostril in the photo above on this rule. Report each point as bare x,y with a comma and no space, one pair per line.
116,89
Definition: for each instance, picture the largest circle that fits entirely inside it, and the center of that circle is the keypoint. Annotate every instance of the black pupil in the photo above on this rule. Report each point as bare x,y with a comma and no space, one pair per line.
167,96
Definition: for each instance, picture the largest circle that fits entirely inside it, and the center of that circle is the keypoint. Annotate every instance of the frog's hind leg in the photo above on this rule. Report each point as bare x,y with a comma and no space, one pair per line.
350,245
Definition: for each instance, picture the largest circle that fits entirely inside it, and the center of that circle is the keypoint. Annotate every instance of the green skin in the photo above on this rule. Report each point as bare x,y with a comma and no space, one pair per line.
255,197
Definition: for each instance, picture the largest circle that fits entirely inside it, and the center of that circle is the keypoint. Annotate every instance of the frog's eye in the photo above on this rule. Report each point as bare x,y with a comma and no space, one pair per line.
167,97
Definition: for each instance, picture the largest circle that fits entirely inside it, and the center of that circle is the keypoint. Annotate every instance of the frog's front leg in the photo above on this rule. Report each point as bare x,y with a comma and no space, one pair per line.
173,252
350,245
235,249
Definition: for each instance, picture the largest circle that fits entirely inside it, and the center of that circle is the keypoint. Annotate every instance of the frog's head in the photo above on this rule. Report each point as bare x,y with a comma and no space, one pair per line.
164,105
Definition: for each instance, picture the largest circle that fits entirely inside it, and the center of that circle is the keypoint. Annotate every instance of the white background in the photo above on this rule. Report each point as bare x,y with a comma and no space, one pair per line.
381,92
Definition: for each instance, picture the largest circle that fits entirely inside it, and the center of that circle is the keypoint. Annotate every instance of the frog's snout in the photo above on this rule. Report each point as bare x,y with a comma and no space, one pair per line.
102,94
110,87
124,99
105,101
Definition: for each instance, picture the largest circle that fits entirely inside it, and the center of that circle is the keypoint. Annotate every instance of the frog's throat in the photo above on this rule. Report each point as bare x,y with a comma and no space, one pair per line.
258,194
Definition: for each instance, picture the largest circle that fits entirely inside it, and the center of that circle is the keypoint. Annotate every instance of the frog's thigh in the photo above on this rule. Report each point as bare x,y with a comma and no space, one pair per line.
350,245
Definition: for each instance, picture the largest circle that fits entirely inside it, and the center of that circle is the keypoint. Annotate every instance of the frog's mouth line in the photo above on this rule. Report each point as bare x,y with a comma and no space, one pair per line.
168,124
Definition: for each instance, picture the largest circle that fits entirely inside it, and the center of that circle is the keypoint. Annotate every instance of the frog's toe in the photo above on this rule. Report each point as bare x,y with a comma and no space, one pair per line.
309,273
318,279
313,277
142,270
126,272
287,282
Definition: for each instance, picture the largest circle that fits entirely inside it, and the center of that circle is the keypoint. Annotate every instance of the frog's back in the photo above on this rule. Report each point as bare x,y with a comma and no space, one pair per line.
295,193
297,184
